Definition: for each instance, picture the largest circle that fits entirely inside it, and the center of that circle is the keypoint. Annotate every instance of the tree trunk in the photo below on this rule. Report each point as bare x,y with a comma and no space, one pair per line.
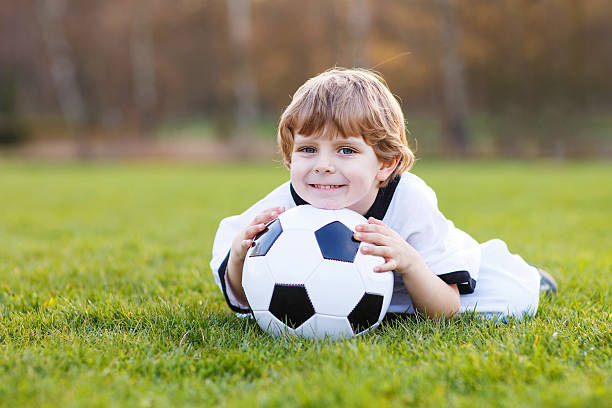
63,71
245,89
455,109
142,54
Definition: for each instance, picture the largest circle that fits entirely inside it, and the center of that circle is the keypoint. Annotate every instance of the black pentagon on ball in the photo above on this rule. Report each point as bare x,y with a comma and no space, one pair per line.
336,242
266,238
291,304
366,313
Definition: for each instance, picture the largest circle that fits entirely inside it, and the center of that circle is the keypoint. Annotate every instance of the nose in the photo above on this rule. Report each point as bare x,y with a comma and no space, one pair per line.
324,164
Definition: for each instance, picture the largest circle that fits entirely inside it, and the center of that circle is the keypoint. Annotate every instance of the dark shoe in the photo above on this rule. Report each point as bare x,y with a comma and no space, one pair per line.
548,285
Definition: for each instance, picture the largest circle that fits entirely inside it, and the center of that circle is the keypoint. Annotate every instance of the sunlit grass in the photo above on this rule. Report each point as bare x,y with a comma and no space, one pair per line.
106,296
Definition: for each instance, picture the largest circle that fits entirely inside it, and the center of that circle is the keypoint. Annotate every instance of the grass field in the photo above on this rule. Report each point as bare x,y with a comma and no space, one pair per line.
107,299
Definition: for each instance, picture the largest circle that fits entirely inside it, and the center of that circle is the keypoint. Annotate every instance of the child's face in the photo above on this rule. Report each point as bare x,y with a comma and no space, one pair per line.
336,172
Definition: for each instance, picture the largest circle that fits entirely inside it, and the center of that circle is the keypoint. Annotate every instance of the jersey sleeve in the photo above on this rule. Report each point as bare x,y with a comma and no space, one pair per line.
228,229
449,252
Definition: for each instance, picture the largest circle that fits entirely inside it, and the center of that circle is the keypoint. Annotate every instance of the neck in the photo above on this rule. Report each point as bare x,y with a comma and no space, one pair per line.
362,207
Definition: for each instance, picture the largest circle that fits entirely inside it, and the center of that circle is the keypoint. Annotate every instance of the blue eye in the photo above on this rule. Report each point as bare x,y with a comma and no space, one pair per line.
346,150
307,149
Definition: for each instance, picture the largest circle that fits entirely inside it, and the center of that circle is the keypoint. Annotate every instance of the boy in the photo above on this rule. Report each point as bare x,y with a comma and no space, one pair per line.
343,140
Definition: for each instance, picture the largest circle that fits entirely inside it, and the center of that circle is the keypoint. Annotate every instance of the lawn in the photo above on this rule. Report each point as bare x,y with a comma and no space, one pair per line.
107,299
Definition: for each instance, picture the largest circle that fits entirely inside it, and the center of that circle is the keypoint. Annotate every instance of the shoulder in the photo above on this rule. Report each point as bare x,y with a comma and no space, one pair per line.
281,195
413,190
414,207
281,192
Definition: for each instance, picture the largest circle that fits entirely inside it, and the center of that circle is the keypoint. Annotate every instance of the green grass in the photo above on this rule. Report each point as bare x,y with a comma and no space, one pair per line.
107,299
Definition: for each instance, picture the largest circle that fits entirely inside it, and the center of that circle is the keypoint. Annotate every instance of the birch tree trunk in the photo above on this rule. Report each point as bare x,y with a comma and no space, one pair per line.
245,89
455,109
63,71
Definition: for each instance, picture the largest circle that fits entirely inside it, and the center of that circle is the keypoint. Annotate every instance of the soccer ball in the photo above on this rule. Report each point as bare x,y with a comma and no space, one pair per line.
305,276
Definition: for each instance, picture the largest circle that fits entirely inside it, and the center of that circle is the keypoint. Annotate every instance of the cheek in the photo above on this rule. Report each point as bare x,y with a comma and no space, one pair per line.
297,164
295,171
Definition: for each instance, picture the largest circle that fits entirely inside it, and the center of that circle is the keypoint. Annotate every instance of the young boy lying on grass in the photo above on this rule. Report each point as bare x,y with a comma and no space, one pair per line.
343,140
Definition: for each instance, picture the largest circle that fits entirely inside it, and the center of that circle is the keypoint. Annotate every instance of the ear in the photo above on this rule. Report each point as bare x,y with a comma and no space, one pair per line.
386,169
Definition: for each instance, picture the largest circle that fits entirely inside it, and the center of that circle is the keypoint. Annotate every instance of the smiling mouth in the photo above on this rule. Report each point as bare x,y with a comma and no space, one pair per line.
326,186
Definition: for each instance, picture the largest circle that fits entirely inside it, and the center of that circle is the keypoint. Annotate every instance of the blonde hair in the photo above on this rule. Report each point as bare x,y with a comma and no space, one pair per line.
348,102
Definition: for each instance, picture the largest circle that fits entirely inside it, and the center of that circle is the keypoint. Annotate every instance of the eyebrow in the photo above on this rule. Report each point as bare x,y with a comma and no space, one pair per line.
339,141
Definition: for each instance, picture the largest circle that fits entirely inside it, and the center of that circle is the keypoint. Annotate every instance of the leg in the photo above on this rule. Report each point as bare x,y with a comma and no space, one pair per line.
506,286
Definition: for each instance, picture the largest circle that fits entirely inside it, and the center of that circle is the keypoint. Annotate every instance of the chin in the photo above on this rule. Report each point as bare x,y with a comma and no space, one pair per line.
326,205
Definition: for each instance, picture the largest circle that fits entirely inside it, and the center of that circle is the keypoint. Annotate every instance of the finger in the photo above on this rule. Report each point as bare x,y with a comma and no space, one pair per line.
390,265
253,230
275,211
372,238
371,228
373,220
273,215
382,251
268,215
263,217
246,244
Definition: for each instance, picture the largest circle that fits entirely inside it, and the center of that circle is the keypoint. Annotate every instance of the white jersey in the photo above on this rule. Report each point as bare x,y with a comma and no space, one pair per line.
492,281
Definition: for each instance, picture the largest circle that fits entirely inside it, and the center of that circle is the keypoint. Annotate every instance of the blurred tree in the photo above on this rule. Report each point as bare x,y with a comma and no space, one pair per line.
63,69
12,129
142,53
527,66
245,89
455,108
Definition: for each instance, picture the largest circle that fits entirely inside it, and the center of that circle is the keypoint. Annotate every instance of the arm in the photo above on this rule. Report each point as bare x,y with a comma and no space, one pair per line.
429,294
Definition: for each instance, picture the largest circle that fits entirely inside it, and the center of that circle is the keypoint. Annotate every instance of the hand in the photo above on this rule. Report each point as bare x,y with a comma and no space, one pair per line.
240,246
429,293
243,241
398,254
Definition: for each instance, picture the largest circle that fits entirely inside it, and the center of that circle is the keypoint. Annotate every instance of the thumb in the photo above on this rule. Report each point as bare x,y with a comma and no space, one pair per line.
246,244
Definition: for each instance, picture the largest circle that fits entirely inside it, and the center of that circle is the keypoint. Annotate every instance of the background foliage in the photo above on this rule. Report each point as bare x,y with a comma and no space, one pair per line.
536,72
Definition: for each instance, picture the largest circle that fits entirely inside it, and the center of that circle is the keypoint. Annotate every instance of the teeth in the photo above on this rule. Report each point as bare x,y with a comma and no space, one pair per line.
326,186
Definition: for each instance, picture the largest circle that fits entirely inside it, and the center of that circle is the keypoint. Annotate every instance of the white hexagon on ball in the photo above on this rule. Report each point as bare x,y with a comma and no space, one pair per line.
335,288
375,282
307,218
350,218
270,324
320,326
257,282
334,327
294,256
